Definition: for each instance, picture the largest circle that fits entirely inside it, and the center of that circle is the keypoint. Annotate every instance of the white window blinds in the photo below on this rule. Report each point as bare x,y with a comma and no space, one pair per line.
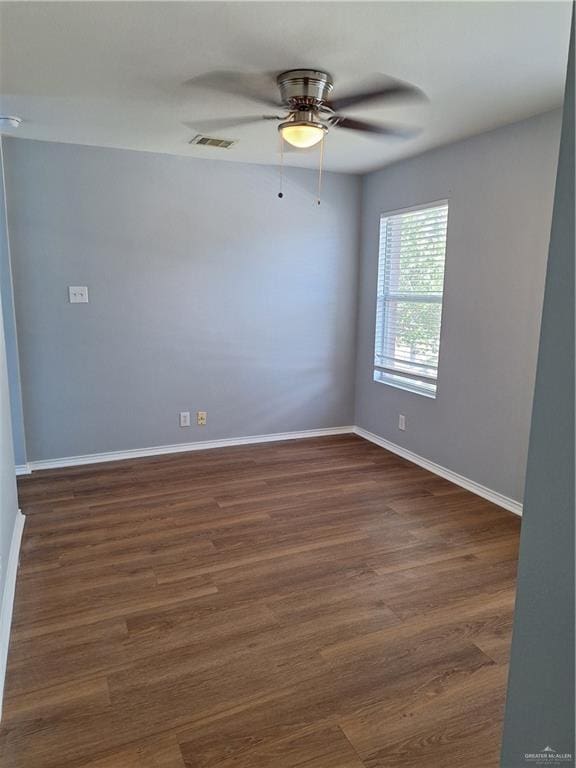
409,305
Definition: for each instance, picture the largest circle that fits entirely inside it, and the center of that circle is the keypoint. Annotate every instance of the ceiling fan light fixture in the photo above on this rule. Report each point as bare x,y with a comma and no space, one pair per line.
301,133
306,94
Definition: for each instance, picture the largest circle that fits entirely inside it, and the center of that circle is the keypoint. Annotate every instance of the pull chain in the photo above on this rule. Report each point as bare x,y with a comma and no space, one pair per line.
281,150
320,170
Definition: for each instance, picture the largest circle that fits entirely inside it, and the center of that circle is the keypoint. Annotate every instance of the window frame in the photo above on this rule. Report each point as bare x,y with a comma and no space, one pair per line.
424,385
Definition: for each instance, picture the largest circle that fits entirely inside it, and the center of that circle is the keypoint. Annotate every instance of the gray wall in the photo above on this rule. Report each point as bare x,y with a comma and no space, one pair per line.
206,292
8,497
540,707
9,318
500,185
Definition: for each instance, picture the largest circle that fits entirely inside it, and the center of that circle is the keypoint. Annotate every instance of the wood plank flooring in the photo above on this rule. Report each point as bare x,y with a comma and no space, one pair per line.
319,603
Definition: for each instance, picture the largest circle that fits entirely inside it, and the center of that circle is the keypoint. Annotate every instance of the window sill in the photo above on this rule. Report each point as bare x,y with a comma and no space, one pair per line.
408,385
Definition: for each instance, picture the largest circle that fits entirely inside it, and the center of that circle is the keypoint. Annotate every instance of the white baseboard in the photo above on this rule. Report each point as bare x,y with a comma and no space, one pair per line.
23,469
138,453
470,485
8,599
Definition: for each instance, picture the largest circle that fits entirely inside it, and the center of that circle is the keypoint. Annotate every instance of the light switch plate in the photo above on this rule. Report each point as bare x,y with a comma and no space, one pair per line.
78,294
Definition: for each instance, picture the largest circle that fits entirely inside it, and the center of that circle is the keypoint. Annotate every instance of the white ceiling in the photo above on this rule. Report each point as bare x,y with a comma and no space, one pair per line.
115,74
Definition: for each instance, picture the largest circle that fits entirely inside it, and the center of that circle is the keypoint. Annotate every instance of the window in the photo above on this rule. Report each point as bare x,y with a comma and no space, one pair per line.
409,305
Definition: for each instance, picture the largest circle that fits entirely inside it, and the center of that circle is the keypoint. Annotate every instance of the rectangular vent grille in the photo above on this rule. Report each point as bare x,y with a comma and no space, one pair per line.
210,141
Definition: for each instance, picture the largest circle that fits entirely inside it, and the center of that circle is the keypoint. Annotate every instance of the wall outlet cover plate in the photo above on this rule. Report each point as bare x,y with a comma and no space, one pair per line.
78,294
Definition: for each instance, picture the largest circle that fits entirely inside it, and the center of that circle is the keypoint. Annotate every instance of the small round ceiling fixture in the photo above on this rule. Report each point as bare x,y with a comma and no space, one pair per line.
10,121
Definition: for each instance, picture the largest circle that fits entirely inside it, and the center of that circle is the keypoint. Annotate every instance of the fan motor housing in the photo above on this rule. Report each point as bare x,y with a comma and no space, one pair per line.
304,86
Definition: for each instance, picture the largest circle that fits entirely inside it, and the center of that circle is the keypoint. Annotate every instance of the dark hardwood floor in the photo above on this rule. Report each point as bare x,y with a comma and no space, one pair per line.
319,603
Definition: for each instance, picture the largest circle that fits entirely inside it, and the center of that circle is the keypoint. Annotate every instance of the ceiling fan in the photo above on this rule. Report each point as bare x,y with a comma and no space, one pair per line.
307,96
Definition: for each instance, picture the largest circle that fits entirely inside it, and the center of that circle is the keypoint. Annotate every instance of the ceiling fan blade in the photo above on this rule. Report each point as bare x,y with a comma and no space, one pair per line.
381,129
385,90
258,87
219,124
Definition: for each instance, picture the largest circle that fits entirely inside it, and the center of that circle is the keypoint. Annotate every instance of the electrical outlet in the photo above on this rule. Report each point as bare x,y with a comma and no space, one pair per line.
401,421
201,418
78,294
184,418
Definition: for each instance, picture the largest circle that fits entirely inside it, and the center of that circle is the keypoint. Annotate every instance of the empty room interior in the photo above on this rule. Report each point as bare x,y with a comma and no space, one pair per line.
272,279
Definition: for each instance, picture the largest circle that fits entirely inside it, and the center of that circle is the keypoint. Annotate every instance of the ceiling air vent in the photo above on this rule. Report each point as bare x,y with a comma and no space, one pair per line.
210,141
